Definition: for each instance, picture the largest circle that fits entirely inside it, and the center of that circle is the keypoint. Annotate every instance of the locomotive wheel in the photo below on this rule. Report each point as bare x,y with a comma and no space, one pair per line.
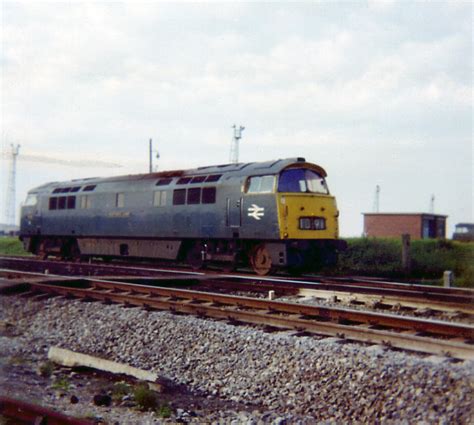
260,260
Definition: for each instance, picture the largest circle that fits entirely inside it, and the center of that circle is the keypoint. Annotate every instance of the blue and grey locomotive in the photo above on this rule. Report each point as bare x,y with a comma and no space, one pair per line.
276,214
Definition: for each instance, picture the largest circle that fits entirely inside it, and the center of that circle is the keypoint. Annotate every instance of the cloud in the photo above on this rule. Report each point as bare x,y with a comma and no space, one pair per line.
376,91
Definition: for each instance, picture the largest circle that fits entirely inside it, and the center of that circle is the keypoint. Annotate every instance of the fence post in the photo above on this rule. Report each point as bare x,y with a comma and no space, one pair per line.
406,257
448,278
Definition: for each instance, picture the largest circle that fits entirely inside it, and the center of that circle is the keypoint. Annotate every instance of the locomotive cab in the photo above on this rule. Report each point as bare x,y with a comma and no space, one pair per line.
306,209
305,219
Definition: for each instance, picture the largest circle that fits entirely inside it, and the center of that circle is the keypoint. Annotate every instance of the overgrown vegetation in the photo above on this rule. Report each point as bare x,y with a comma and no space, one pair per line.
147,399
61,384
46,369
120,390
11,246
164,411
429,259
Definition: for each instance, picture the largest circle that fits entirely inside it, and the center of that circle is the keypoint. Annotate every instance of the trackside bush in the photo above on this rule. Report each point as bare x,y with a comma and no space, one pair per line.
429,259
11,246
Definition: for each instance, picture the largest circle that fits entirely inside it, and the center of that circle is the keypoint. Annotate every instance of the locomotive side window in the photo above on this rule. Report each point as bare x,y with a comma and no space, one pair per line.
301,180
260,184
194,195
71,202
164,181
179,196
209,195
89,188
53,203
119,200
198,179
85,202
213,178
159,198
184,180
31,201
62,203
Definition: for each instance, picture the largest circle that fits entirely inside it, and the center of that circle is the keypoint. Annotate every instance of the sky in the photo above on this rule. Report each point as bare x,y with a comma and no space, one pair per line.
376,92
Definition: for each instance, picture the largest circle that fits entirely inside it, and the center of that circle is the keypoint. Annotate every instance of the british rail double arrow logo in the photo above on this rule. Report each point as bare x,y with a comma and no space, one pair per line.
256,212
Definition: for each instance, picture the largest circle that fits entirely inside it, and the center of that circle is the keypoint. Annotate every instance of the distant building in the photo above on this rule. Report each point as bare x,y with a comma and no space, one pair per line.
464,232
9,230
393,225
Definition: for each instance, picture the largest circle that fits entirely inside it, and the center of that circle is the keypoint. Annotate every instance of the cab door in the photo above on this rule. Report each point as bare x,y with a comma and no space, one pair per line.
234,212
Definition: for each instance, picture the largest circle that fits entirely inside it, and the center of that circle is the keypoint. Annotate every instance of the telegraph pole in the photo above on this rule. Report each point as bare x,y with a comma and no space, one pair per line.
150,169
377,199
432,204
10,204
151,157
234,147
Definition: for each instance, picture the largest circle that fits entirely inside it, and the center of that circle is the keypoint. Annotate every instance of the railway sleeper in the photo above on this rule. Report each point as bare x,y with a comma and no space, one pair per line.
348,322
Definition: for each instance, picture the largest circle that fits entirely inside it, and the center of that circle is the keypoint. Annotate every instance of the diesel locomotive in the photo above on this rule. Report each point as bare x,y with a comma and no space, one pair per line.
269,215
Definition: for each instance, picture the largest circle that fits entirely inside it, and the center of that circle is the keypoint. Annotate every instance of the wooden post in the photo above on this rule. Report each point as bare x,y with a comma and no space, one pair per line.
448,278
406,257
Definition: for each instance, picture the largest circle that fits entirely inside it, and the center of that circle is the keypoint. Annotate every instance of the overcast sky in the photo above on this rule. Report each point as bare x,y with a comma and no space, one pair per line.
377,93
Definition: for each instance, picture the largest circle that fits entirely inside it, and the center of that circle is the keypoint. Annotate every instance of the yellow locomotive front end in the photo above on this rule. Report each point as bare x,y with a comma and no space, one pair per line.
308,215
306,210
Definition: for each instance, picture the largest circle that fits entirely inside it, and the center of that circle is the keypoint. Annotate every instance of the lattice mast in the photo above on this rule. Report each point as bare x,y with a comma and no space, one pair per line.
151,151
376,207
13,154
234,147
10,198
432,204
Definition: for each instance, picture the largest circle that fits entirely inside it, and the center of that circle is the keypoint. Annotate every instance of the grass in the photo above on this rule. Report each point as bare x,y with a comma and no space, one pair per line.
61,384
429,259
17,360
120,390
147,399
46,369
11,246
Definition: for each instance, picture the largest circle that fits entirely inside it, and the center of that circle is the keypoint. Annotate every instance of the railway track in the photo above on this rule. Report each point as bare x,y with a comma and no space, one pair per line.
19,412
352,291
408,333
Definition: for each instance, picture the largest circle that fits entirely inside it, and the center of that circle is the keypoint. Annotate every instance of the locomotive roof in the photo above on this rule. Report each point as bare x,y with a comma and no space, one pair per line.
235,170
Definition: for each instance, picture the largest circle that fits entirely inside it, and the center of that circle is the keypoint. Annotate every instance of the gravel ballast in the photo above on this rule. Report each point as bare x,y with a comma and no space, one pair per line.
246,375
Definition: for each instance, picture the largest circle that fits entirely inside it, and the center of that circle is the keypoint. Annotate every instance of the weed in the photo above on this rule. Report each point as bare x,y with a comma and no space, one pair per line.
145,398
119,390
17,360
11,246
61,384
46,369
164,411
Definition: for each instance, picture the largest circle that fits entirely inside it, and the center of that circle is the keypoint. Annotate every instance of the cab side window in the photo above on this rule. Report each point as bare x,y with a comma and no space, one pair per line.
260,184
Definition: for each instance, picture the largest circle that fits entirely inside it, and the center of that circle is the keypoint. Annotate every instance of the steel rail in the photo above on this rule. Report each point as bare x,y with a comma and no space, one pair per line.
350,324
461,299
392,297
27,413
219,282
417,324
306,279
332,313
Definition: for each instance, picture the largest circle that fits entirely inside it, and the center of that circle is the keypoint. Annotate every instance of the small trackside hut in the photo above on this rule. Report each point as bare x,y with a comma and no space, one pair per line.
276,214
